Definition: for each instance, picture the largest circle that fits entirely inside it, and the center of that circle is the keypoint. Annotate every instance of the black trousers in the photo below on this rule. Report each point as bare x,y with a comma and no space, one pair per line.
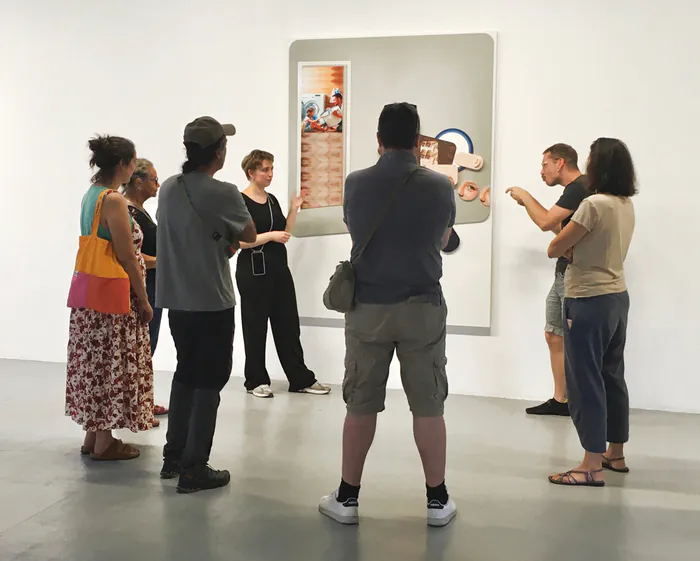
595,332
204,344
271,297
154,325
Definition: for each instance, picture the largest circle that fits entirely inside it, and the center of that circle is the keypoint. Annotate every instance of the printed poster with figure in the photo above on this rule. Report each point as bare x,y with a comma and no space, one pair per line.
323,142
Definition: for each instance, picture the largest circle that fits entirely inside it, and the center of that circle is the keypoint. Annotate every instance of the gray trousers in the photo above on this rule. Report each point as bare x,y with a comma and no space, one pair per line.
595,331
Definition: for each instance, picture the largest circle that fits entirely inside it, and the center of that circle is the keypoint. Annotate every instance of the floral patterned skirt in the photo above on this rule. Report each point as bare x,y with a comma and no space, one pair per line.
109,382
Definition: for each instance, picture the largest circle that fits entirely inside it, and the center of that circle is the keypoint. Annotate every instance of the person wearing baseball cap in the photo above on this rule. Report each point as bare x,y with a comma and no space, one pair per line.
199,220
207,131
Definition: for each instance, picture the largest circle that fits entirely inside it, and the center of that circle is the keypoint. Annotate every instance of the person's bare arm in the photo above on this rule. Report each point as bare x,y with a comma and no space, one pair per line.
149,260
294,208
279,236
115,214
248,234
564,242
446,237
546,220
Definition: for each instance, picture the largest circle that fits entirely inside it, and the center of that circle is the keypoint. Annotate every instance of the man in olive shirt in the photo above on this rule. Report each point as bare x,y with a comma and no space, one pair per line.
559,167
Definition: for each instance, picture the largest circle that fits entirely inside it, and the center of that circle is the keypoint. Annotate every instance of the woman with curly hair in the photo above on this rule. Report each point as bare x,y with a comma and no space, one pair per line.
596,306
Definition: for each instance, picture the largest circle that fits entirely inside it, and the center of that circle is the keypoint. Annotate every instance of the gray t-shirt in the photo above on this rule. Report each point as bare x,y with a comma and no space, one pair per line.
193,269
403,259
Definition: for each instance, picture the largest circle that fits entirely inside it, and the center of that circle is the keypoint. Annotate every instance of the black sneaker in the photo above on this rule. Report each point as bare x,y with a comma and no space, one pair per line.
171,469
202,479
551,407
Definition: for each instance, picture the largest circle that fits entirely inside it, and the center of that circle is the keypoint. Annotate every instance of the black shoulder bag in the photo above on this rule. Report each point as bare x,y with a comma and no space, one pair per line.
340,293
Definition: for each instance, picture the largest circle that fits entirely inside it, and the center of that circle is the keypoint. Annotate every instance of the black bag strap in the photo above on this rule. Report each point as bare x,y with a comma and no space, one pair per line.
382,215
215,234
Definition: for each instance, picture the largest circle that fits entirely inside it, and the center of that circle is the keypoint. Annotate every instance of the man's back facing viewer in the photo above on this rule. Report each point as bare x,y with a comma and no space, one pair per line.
399,308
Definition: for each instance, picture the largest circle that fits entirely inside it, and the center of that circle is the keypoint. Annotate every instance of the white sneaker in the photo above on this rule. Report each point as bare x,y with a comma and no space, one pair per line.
345,513
262,391
317,389
441,514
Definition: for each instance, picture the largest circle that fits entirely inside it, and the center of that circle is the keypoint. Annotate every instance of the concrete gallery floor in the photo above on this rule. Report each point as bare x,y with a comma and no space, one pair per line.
283,455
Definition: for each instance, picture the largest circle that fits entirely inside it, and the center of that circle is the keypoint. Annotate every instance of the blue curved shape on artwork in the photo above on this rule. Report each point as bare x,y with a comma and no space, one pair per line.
463,135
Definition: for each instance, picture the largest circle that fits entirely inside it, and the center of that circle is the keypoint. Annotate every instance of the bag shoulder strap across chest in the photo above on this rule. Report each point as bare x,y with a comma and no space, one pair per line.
383,213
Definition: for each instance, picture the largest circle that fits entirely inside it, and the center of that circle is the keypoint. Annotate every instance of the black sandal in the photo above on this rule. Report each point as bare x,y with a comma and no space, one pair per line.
568,479
607,464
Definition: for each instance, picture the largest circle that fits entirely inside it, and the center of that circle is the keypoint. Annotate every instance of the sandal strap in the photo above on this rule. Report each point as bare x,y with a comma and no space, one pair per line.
566,477
588,473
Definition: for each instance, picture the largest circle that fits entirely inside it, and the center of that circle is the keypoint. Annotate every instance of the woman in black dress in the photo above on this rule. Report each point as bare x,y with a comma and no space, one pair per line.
142,186
266,286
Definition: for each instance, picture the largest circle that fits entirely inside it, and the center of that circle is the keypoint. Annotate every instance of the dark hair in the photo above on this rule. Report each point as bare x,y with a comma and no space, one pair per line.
563,152
198,156
610,168
254,160
107,153
399,126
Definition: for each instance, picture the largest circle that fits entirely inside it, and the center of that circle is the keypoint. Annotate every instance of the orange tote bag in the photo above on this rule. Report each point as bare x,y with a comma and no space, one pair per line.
99,281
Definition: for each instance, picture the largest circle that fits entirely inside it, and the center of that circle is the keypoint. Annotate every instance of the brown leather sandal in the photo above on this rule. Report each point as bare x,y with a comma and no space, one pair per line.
85,451
159,410
116,451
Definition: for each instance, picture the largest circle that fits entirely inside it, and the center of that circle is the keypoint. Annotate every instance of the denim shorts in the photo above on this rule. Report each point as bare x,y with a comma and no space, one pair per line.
555,307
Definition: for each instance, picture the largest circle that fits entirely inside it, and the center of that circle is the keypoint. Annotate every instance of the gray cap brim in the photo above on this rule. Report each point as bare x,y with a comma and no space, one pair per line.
229,130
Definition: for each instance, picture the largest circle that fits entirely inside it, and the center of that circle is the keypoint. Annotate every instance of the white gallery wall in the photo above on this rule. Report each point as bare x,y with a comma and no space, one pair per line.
567,71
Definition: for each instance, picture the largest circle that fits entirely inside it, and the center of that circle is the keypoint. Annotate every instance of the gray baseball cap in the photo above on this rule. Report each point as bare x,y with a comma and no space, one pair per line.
205,131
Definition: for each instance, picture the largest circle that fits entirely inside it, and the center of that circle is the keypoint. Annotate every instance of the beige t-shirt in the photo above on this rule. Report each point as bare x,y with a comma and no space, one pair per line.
597,266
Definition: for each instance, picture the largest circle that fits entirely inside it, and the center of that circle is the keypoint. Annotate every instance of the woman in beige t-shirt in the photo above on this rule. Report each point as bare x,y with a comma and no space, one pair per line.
595,312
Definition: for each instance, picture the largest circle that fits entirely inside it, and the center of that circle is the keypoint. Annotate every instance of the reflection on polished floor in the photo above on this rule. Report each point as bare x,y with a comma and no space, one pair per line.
283,455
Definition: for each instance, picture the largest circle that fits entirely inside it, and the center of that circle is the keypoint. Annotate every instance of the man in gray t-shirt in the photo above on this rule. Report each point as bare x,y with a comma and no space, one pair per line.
193,269
200,220
399,308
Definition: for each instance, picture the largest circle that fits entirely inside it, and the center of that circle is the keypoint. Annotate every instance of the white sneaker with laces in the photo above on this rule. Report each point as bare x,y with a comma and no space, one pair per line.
345,513
441,514
262,391
317,389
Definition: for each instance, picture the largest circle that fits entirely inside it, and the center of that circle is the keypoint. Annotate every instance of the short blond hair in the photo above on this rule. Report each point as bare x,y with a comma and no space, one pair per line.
254,160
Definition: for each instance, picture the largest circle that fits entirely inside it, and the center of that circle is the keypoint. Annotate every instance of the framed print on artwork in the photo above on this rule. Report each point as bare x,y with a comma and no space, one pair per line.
322,138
